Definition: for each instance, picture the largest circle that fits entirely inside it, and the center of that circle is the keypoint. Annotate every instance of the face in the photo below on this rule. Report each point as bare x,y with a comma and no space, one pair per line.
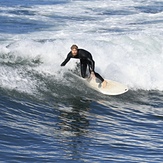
74,52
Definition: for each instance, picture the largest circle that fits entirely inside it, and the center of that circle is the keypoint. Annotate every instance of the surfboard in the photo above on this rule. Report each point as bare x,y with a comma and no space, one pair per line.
112,88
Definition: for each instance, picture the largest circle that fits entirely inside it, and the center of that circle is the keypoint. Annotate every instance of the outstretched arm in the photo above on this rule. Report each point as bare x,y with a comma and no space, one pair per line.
66,60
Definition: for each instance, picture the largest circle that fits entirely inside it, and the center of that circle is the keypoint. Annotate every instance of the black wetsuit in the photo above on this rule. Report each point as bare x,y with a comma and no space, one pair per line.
85,59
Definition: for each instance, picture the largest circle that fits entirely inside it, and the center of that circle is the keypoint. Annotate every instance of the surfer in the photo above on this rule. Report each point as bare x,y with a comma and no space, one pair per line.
85,59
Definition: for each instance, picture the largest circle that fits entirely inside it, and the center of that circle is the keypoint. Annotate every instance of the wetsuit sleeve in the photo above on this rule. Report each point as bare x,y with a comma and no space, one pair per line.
66,60
92,64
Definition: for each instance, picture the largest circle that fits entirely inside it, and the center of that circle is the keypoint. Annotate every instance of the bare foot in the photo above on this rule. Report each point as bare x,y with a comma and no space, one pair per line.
104,83
92,75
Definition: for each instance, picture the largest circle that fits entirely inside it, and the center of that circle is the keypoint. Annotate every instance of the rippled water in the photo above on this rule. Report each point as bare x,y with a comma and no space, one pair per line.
126,128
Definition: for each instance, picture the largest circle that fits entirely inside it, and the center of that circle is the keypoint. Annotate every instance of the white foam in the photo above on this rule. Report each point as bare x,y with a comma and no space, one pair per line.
133,56
133,60
14,79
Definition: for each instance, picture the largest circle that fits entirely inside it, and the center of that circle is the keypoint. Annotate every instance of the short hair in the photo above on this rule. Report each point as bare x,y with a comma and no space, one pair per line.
74,47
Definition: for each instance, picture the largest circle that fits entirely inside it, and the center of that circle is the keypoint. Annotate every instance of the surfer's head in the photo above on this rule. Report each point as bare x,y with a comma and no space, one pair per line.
74,50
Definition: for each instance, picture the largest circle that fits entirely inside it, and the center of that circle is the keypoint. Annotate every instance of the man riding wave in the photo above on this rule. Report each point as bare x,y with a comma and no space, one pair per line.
85,60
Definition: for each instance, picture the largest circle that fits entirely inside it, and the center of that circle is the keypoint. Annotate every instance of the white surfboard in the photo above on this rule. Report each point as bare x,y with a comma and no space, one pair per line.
112,87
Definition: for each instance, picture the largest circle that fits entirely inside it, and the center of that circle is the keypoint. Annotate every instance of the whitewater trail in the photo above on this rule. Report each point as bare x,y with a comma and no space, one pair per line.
133,60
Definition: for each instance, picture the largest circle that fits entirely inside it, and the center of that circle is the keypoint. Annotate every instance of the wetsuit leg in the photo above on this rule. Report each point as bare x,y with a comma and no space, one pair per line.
99,77
96,74
83,67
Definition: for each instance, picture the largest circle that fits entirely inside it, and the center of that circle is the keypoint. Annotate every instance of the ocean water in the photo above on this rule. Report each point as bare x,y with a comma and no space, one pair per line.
47,115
